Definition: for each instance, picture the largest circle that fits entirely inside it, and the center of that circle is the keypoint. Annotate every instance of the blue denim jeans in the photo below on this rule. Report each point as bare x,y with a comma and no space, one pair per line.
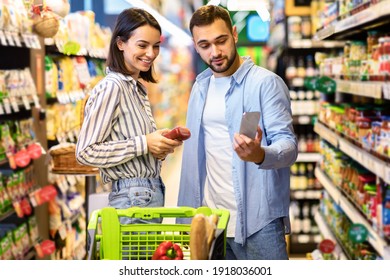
269,243
141,192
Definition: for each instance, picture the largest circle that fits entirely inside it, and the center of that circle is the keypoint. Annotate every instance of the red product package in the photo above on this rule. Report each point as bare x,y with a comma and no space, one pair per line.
178,133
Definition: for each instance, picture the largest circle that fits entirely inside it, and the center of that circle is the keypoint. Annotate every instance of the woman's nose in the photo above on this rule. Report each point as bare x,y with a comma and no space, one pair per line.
151,53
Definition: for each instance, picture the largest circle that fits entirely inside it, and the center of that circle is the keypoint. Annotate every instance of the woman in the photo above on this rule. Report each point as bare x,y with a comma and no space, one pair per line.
119,134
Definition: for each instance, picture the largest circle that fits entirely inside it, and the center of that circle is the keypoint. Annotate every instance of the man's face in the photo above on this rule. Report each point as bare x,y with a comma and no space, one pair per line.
216,45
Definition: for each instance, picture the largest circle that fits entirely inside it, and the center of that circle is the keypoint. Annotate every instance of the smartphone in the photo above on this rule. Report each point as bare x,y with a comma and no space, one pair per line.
249,123
178,133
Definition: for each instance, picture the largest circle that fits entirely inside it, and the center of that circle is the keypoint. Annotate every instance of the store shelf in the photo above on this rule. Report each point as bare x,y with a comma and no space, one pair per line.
92,172
307,194
376,90
302,238
308,157
377,242
328,234
15,39
7,214
303,243
372,163
304,119
313,44
375,15
327,134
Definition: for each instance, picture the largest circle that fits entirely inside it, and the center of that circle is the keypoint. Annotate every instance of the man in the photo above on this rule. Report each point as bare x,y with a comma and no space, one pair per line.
224,169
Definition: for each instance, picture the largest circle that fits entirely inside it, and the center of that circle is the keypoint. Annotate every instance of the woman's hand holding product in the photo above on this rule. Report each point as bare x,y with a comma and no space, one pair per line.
160,146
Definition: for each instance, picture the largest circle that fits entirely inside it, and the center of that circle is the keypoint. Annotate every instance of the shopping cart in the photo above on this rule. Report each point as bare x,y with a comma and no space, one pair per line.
111,240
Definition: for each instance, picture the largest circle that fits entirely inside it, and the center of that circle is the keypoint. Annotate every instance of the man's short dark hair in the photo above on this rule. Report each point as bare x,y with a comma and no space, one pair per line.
207,14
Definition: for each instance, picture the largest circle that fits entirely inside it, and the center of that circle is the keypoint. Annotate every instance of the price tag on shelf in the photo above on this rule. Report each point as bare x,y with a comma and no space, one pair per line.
386,174
7,106
72,96
386,90
306,43
348,148
3,40
297,82
378,167
374,164
26,40
304,120
36,101
16,39
35,43
10,39
62,231
14,104
26,102
303,238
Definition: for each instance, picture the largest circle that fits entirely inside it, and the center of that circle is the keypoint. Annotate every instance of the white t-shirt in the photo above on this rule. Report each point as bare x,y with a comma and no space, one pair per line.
219,192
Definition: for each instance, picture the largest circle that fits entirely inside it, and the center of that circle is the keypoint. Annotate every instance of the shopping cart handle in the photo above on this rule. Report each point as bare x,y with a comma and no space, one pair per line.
147,213
156,212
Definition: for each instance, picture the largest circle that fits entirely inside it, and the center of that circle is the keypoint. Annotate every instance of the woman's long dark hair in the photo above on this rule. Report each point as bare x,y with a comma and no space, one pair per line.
129,20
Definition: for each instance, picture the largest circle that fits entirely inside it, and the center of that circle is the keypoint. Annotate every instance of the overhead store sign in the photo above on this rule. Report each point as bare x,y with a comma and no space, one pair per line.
261,7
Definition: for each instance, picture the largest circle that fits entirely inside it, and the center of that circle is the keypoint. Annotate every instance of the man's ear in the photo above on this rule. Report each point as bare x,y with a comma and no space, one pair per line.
235,34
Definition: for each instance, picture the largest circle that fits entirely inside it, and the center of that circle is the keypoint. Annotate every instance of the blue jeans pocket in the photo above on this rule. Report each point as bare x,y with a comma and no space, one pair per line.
137,196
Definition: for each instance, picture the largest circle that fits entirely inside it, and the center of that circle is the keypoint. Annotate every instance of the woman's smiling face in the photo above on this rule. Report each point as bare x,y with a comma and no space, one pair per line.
141,49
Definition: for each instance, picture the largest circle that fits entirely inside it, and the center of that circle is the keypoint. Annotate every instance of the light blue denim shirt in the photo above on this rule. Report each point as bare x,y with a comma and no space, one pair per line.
262,191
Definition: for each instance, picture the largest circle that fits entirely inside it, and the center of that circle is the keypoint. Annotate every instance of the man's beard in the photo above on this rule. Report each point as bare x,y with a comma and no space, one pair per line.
228,65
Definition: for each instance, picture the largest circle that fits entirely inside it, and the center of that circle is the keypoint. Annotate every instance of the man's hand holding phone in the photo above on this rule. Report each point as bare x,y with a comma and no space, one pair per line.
249,123
247,143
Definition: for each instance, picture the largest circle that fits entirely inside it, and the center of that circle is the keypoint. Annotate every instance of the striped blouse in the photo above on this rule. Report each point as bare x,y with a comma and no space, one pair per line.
117,118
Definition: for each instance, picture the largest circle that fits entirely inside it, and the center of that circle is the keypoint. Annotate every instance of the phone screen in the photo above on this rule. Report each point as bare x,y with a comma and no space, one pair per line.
249,123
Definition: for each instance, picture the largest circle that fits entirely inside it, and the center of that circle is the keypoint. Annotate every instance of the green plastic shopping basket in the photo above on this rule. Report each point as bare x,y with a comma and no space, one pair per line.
109,239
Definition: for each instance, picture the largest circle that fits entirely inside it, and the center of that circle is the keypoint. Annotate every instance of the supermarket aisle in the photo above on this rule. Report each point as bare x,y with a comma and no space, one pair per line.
171,176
